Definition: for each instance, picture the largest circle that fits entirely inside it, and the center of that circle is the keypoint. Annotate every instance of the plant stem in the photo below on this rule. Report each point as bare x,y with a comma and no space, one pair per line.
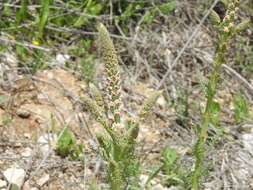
225,32
212,86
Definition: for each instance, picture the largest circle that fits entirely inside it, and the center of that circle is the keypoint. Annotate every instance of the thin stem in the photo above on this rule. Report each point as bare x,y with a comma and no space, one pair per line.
226,32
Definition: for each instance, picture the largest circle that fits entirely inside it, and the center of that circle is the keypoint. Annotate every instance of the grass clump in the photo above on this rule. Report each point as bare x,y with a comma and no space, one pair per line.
43,17
175,174
67,146
119,143
241,109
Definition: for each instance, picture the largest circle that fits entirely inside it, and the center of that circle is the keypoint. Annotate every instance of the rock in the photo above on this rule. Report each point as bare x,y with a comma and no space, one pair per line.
248,142
7,72
2,117
11,59
26,186
61,59
23,113
46,142
143,180
15,175
27,152
3,184
161,101
28,135
158,187
43,180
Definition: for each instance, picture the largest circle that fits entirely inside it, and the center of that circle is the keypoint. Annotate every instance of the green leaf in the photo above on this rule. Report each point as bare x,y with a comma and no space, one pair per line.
92,9
22,13
242,26
169,158
6,10
65,143
127,13
148,105
241,110
148,17
214,18
14,187
44,13
154,174
215,113
3,99
167,8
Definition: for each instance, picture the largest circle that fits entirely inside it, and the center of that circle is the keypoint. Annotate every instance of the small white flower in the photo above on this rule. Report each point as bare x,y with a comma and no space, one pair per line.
226,29
231,25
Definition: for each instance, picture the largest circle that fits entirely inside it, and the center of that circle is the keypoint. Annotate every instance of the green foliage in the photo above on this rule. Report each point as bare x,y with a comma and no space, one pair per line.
91,7
215,114
14,187
85,58
182,108
7,120
175,174
88,68
119,153
169,158
148,17
215,18
21,52
6,10
34,60
43,18
19,21
93,185
118,144
3,99
226,30
244,56
133,10
22,13
168,7
65,143
241,110
66,146
148,105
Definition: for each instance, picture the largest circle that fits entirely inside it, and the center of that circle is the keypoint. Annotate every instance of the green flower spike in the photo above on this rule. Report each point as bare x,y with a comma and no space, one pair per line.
111,65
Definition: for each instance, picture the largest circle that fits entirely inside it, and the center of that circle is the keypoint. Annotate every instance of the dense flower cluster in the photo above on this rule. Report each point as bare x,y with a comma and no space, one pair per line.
111,66
228,21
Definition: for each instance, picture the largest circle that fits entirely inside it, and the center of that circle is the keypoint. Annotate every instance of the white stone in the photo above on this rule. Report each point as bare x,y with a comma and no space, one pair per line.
47,142
43,180
143,180
28,135
15,175
158,187
27,152
11,59
62,58
3,183
161,101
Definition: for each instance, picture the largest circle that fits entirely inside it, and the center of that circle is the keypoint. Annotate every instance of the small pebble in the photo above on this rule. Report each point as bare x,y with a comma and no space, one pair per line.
23,113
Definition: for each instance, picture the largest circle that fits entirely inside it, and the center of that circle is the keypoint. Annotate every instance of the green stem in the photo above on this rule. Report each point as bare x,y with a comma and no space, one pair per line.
211,91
